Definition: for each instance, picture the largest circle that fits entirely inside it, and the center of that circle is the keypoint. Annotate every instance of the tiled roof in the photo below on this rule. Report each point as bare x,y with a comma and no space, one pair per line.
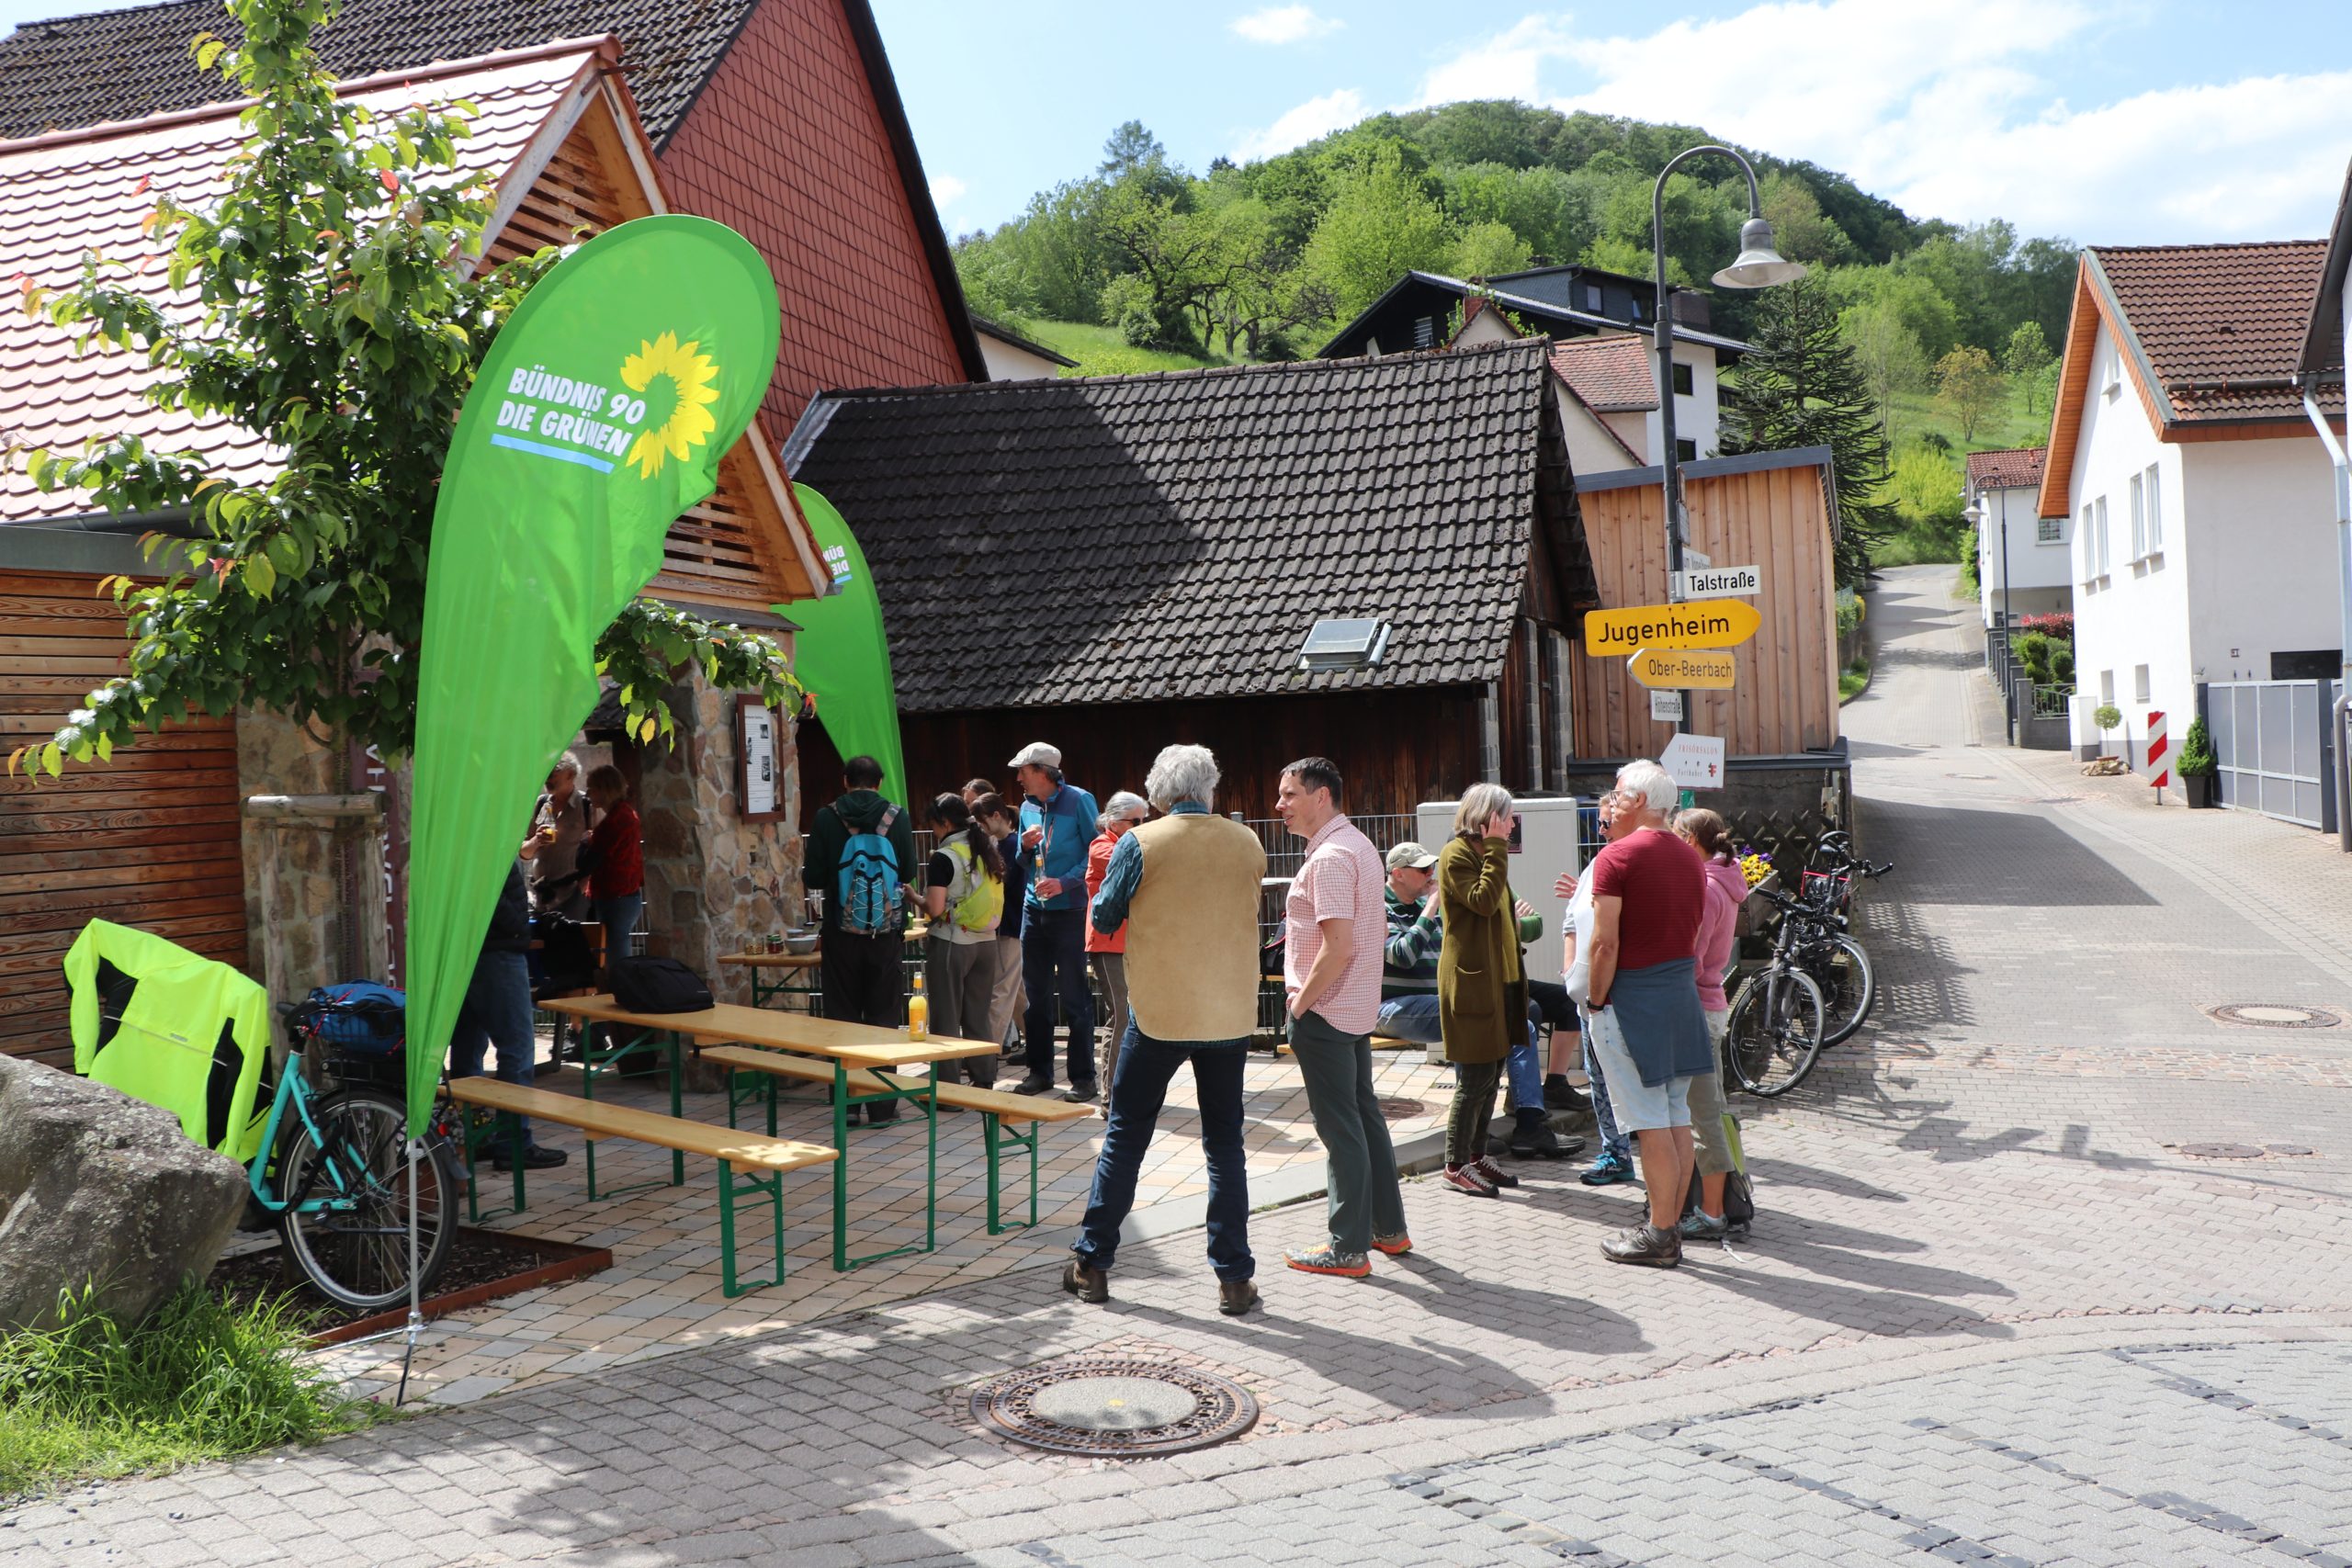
114,66
2218,327
1157,538
63,195
2019,468
1612,373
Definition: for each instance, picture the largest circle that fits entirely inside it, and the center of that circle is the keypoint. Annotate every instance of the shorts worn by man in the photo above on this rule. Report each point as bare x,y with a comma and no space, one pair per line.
1187,888
1333,951
1645,1026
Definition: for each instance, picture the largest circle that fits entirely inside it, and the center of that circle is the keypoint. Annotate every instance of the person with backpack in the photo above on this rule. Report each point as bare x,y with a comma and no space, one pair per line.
1006,1009
1106,951
964,899
861,849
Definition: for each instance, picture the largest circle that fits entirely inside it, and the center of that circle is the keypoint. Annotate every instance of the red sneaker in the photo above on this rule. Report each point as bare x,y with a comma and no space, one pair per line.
1495,1175
1466,1179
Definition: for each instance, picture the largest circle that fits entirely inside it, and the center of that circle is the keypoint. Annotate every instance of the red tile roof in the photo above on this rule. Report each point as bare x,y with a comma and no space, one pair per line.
1612,373
2217,329
2018,467
70,192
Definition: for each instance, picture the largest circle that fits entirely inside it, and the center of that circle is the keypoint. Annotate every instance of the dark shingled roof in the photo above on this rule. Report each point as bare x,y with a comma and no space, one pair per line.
2220,327
69,71
1138,538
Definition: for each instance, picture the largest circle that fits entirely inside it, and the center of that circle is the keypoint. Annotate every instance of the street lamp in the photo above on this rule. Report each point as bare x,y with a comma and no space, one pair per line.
1759,265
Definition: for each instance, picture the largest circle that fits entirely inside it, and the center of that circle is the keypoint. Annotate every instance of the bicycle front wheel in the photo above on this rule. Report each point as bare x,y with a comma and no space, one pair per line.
1848,989
347,1225
1773,1034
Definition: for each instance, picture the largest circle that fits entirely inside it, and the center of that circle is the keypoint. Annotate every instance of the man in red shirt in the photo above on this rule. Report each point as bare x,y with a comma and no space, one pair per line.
1648,1034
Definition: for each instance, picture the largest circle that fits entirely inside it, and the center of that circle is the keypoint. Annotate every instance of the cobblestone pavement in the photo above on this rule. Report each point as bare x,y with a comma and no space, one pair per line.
2004,1304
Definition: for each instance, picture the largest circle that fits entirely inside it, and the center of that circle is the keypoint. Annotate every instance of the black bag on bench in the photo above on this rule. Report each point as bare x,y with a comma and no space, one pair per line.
659,985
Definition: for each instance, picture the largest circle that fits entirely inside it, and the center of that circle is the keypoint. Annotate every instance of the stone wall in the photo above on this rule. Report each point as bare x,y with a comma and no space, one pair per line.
314,877
712,880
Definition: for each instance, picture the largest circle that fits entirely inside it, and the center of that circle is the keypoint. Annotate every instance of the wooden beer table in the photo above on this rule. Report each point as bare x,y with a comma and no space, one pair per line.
795,974
849,1047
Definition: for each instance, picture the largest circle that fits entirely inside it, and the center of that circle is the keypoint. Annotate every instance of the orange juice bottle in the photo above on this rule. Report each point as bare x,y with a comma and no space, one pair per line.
919,1013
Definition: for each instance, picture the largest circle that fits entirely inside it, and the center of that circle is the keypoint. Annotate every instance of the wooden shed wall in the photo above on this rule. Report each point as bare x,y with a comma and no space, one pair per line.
1786,696
150,839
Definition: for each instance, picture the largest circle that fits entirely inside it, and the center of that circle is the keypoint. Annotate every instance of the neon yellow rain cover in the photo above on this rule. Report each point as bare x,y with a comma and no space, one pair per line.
184,1010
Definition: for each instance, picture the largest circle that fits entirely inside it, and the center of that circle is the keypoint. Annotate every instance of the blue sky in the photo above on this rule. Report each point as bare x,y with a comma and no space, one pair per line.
2107,121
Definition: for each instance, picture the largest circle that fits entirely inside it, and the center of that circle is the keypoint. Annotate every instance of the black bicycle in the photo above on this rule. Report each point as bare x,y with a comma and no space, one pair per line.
1841,967
1775,1030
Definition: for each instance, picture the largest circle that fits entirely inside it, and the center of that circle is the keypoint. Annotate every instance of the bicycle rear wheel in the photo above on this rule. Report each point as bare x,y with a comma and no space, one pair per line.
348,1223
1848,989
1773,1034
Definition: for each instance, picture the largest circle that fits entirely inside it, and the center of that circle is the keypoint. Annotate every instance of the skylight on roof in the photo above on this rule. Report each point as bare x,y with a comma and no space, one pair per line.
1344,644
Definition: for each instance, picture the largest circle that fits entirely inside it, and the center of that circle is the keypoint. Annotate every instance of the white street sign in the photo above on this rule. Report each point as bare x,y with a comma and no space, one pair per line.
1692,558
1695,762
1718,583
1667,706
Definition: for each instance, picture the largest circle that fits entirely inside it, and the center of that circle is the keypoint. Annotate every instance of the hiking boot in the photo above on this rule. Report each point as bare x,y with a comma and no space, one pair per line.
1328,1259
1085,1093
1393,1245
1032,1084
1645,1245
1085,1281
1559,1094
1466,1179
1607,1171
1535,1139
1235,1297
1700,1225
1484,1165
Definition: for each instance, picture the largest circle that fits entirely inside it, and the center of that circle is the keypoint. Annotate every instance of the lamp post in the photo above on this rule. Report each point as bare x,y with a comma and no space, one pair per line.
1758,266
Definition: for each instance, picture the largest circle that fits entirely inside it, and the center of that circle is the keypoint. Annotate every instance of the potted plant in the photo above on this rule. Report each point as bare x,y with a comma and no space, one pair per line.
2109,717
2198,766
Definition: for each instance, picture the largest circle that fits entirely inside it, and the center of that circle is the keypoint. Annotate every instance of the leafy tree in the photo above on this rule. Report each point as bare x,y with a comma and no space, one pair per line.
1556,214
1803,386
1886,351
1129,148
337,320
1488,249
2025,357
1804,232
1968,387
1382,223
1915,301
995,284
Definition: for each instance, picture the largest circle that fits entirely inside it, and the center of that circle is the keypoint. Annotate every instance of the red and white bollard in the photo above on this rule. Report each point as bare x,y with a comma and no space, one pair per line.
2159,762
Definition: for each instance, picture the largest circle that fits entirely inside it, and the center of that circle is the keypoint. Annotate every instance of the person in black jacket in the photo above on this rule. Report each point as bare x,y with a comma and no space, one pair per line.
497,1011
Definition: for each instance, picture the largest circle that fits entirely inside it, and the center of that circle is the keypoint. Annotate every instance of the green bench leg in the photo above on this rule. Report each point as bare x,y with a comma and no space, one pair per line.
471,1137
739,1096
998,1135
733,1185
592,1065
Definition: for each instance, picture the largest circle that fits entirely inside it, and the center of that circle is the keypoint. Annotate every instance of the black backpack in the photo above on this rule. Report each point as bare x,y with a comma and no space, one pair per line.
659,985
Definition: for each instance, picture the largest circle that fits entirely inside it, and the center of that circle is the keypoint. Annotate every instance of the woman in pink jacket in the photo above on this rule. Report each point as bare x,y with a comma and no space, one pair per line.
1718,925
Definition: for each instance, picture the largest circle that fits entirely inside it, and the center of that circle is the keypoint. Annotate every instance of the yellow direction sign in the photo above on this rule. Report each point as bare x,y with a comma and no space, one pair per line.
1694,669
1710,623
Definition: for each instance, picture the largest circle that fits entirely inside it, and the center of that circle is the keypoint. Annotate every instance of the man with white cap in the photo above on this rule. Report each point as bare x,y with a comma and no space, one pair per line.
1057,823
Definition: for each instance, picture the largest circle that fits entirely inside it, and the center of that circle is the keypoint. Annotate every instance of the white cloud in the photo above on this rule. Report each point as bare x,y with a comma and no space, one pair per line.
1315,117
1285,24
946,190
1947,108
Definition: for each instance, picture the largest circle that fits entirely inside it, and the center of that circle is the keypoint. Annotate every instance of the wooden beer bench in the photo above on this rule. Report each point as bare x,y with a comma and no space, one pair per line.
731,1148
998,1109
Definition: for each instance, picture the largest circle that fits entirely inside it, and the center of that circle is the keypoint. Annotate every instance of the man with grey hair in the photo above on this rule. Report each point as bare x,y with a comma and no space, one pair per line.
1057,821
1643,1016
1186,889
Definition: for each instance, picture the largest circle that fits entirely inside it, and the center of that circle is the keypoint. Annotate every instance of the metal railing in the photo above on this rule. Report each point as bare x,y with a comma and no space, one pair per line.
2053,700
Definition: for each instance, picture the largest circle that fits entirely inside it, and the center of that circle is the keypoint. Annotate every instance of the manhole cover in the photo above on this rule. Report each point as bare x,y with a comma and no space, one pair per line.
1114,1409
2274,1015
1397,1109
2221,1151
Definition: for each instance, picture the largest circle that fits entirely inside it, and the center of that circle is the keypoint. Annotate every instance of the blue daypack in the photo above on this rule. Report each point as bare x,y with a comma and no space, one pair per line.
866,890
359,1016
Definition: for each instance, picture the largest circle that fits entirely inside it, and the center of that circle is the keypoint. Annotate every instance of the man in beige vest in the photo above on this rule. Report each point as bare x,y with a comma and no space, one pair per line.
1187,888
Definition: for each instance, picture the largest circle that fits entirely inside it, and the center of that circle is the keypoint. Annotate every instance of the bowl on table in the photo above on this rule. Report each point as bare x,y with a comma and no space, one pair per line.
800,943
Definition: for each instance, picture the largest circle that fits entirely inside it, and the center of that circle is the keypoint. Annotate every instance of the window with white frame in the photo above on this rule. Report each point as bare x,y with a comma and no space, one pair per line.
2106,688
2139,683
2098,509
2139,516
2088,542
2155,511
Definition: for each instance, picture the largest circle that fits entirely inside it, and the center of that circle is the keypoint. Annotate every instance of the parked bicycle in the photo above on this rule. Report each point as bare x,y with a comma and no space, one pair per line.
1840,966
1774,1032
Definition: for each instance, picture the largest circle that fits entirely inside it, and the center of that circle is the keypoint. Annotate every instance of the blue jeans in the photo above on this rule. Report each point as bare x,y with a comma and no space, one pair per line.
1138,1089
1415,1017
1053,965
496,1011
618,917
1614,1144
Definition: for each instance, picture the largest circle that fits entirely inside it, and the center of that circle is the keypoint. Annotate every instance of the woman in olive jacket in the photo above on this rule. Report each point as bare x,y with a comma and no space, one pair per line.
1481,989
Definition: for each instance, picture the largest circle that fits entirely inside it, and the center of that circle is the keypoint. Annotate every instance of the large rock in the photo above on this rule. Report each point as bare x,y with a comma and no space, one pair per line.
95,1185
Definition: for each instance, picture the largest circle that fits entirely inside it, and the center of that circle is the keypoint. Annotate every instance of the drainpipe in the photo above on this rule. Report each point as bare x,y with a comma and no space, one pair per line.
2344,598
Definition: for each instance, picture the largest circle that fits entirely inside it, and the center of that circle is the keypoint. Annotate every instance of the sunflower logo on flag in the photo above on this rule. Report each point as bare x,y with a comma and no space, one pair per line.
693,377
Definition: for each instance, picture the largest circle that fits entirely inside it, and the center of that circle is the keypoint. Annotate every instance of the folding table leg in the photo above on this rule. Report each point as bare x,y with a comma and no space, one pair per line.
731,1185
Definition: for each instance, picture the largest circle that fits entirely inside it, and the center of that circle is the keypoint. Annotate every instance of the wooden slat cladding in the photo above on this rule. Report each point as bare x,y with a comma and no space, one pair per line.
1786,698
151,838
735,548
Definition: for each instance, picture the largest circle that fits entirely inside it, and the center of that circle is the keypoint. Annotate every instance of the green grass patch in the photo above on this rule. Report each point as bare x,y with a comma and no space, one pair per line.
1852,678
1099,351
199,1380
1920,540
1917,413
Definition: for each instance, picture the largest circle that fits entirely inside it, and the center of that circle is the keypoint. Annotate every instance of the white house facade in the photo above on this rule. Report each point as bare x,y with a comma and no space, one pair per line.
2024,564
2197,494
1012,357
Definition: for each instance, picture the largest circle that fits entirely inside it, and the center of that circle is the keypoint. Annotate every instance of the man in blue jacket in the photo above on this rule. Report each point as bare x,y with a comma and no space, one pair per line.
1057,823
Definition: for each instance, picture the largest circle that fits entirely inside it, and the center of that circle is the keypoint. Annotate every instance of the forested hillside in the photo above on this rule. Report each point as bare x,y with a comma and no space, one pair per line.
1951,326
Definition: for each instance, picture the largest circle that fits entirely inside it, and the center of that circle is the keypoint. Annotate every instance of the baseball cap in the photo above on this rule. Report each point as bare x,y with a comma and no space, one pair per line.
1411,856
1039,753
